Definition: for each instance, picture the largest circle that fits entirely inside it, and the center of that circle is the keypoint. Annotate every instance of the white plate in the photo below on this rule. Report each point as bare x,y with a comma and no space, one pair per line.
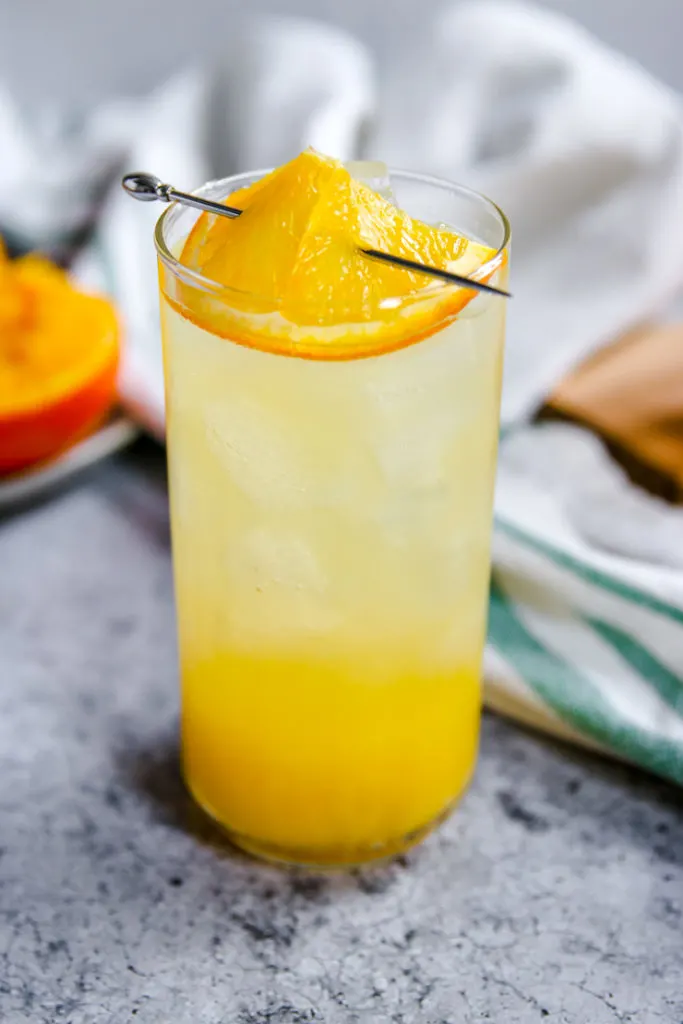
24,487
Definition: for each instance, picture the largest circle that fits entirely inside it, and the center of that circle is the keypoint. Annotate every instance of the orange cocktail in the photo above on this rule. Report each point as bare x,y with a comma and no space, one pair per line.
332,430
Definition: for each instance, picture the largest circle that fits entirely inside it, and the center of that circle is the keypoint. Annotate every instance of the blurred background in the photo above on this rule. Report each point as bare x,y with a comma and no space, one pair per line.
79,52
561,127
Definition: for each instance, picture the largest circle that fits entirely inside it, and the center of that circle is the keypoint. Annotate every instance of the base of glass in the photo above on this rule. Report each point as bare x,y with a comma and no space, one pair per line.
341,857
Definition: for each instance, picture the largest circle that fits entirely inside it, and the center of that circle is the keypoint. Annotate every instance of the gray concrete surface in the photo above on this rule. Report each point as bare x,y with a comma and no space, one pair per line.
554,894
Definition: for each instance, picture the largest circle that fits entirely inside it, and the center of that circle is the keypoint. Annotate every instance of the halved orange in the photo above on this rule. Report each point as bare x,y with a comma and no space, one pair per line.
296,277
59,352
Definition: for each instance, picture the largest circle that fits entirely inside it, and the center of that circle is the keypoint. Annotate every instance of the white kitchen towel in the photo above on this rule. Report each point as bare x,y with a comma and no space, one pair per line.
584,151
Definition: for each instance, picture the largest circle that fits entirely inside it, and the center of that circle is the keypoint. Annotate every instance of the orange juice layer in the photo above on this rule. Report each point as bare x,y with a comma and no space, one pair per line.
321,758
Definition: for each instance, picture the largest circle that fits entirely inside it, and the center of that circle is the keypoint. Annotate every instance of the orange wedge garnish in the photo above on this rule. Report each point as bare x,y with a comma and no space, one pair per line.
295,279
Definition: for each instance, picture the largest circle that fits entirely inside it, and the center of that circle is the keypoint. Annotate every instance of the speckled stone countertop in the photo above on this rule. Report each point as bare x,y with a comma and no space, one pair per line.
555,893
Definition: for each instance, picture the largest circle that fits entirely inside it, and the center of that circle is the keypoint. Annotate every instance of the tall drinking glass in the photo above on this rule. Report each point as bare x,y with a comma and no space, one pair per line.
331,523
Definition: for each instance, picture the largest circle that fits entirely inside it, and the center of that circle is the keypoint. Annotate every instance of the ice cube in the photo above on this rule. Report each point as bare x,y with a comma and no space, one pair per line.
282,588
413,421
281,559
374,174
416,458
260,456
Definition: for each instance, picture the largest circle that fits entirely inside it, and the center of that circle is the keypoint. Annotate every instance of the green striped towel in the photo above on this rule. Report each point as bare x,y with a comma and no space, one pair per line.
584,643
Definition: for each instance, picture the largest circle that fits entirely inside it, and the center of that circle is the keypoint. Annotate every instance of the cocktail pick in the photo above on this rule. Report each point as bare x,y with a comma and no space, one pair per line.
148,188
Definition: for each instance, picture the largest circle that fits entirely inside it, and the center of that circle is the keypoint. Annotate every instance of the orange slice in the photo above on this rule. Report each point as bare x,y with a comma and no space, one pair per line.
58,361
298,280
255,253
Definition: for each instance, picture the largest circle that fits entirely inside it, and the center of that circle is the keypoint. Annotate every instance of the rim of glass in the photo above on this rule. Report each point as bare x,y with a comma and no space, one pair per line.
207,284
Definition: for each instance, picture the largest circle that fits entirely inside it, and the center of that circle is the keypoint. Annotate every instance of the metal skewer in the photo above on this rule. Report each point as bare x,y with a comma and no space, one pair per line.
148,188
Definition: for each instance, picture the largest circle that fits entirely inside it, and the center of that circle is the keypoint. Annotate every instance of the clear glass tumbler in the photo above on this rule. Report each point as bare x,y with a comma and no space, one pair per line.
331,525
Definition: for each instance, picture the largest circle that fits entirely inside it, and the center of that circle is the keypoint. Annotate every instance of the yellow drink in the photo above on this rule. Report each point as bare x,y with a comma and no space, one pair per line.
331,523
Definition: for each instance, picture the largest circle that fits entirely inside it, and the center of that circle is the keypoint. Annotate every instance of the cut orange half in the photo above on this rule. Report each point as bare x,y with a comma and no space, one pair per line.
295,277
58,361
